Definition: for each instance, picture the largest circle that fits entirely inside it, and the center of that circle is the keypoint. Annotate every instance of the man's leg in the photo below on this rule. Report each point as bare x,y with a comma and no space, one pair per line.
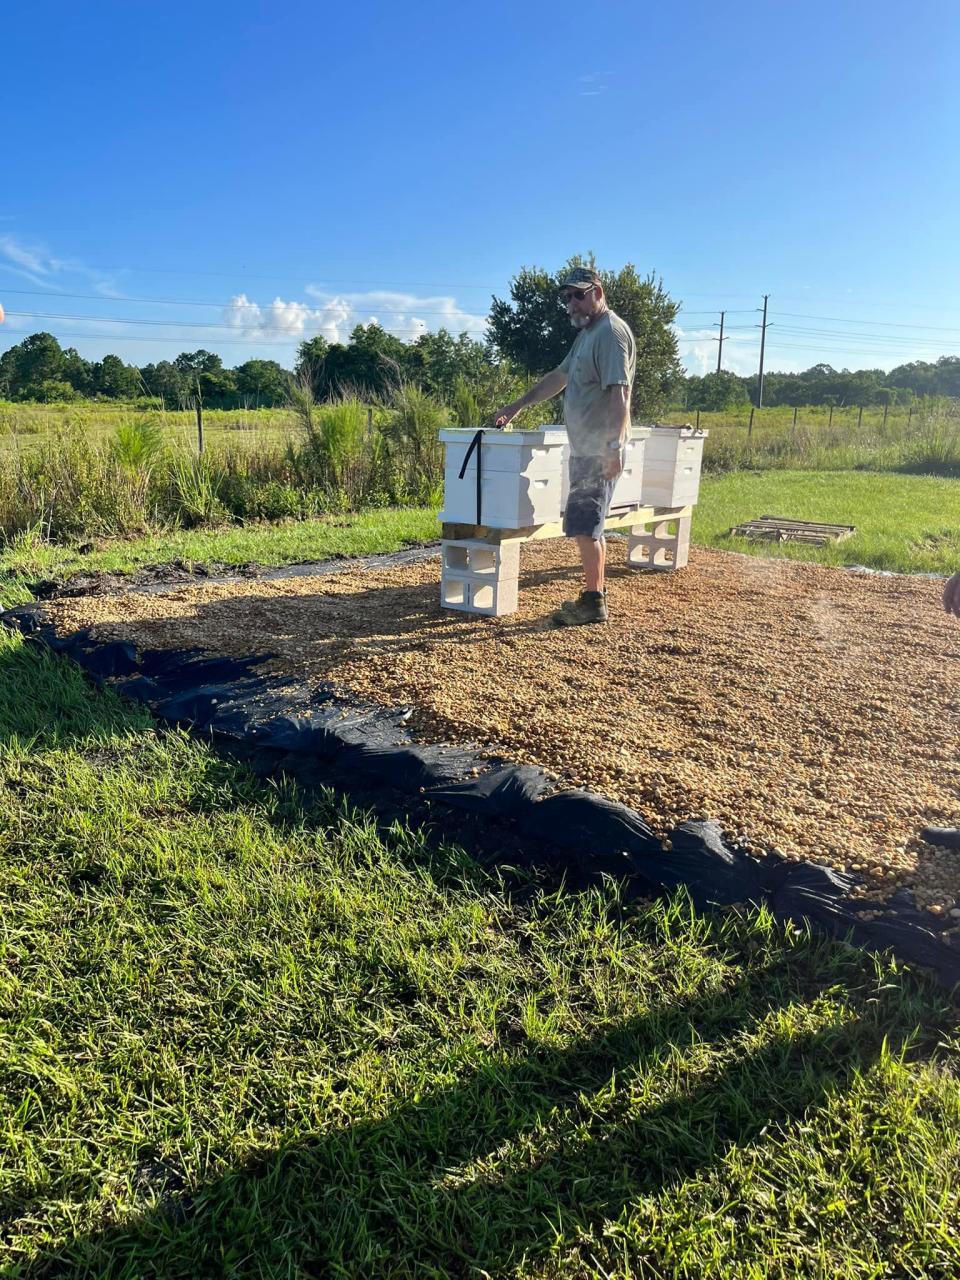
583,521
593,556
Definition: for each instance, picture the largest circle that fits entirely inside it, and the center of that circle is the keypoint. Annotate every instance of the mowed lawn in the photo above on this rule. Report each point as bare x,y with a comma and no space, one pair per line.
246,1034
905,524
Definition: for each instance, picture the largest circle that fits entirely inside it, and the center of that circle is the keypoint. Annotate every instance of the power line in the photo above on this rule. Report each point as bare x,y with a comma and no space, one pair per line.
887,324
878,339
231,302
192,302
726,330
241,341
178,324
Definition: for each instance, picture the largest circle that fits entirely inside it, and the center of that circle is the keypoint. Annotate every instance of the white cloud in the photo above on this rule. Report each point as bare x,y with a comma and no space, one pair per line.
34,262
595,83
335,316
405,314
29,259
698,350
294,320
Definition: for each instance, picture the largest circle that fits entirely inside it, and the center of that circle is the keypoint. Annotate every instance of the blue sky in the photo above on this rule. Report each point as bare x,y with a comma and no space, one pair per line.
251,174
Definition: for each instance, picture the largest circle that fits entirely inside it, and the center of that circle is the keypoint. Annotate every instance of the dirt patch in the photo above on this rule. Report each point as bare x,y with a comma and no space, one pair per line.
811,711
152,577
170,573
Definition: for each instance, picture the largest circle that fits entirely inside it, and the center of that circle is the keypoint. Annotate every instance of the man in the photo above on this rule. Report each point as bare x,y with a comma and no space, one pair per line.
597,377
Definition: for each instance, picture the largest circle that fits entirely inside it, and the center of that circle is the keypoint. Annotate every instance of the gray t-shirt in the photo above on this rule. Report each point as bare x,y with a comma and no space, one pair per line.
603,355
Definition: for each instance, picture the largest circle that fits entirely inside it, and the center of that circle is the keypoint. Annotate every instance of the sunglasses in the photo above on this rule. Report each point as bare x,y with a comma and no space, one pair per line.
579,294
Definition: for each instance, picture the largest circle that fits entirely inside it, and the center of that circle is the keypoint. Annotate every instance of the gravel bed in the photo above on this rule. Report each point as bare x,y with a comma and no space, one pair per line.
811,711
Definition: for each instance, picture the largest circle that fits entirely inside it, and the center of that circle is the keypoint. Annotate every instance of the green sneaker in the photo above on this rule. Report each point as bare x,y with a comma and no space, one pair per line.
591,607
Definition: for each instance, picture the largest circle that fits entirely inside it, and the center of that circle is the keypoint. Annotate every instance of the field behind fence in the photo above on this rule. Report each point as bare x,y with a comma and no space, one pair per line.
921,439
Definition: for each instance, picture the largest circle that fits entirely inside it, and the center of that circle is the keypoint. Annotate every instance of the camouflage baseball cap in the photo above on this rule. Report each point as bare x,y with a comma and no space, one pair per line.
582,278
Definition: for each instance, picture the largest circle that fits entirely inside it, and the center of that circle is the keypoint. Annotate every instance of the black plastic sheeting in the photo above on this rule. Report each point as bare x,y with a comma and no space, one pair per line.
325,737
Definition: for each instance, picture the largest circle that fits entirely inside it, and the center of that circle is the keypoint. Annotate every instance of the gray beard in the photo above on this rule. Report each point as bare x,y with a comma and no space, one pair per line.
580,322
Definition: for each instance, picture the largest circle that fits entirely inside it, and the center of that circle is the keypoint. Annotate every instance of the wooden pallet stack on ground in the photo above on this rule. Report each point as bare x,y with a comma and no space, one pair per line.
783,529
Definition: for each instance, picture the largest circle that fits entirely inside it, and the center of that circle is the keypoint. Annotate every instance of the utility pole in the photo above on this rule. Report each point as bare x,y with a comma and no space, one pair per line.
763,338
198,405
720,341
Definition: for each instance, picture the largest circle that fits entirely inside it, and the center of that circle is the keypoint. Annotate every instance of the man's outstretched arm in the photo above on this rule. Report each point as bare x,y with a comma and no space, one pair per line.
550,385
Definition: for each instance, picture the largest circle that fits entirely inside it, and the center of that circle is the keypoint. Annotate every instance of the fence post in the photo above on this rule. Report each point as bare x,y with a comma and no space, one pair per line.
794,419
698,419
883,425
750,423
830,421
860,417
369,421
198,405
909,417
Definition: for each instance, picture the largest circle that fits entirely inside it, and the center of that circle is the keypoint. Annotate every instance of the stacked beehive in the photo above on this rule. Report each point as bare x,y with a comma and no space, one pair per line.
520,481
517,480
671,480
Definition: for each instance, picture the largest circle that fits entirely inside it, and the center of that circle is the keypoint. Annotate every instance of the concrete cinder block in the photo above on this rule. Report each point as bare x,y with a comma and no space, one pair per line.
478,576
492,597
659,548
481,559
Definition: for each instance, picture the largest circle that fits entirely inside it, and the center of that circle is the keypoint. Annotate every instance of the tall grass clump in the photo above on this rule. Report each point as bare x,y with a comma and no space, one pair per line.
340,453
69,487
192,489
935,449
415,452
465,405
139,443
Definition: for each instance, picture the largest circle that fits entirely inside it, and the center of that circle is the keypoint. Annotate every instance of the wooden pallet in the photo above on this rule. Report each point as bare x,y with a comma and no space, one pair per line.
783,529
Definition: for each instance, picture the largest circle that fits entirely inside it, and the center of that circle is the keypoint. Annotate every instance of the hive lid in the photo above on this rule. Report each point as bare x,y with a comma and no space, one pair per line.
686,432
509,439
552,434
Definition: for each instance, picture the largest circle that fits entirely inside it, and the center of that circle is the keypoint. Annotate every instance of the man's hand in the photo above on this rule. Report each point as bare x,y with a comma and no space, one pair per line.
612,465
951,595
503,417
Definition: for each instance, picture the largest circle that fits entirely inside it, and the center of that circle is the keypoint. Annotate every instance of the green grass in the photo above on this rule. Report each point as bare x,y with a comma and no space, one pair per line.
244,1034
909,524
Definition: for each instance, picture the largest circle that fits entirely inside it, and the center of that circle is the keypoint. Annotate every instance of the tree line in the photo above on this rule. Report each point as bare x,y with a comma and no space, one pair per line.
822,384
527,334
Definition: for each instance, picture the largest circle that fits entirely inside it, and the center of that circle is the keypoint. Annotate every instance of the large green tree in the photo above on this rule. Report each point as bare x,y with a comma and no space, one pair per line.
115,380
373,363
311,358
445,359
262,382
78,371
203,373
716,391
532,330
37,359
166,380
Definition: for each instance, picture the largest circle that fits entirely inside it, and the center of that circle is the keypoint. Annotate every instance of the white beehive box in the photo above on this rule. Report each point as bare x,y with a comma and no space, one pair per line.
520,483
671,467
630,481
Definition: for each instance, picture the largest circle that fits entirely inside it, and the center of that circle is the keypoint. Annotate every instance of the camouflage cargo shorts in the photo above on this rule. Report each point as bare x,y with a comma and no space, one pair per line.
588,502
